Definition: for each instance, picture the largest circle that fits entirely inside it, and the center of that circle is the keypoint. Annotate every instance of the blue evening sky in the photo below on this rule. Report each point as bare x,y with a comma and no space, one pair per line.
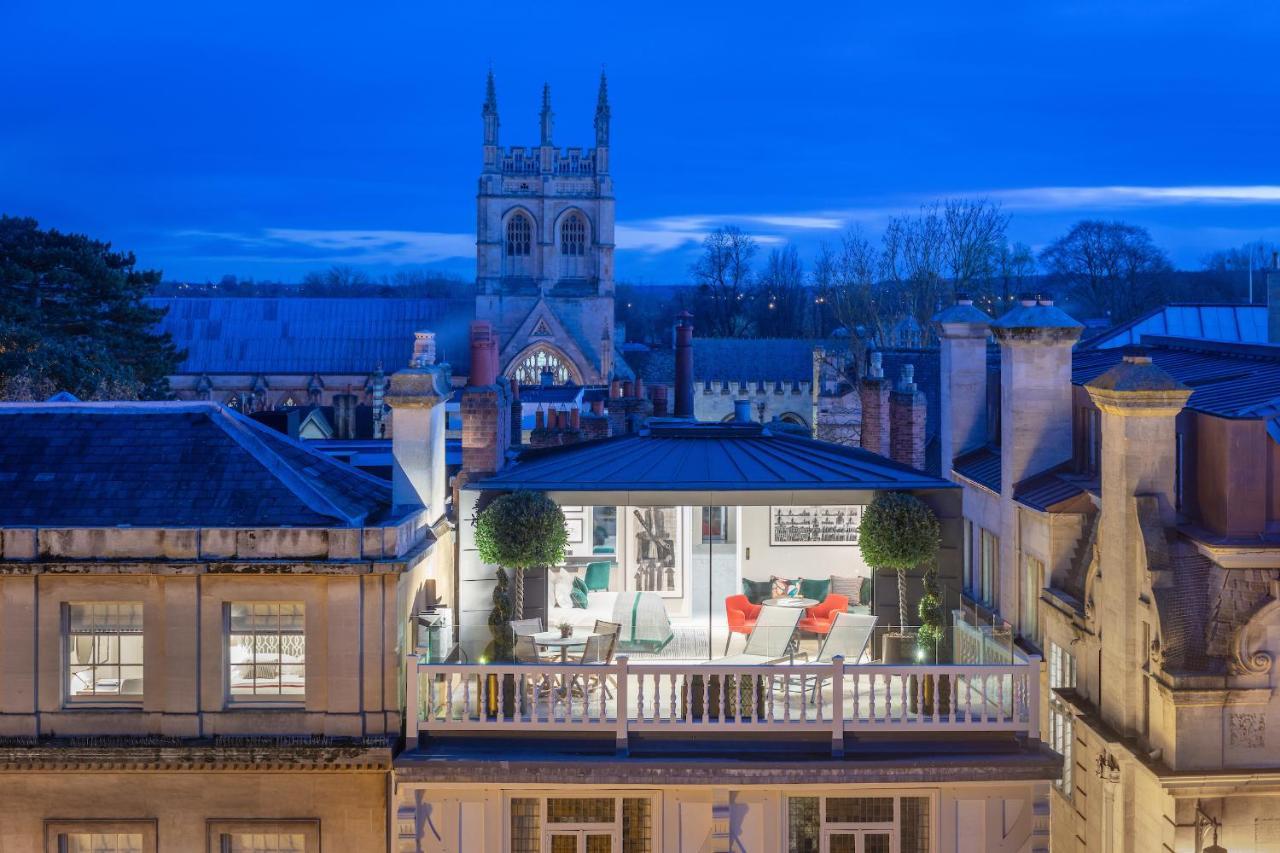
269,138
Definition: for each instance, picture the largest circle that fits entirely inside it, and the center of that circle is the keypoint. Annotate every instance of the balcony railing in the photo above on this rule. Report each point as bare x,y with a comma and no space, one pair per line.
623,698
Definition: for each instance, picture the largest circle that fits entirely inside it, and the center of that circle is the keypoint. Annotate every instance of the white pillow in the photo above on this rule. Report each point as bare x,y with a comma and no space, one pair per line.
561,586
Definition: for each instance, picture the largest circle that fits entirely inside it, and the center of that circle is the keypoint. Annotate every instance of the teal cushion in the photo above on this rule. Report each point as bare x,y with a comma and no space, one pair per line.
602,549
578,595
756,591
814,588
864,594
598,576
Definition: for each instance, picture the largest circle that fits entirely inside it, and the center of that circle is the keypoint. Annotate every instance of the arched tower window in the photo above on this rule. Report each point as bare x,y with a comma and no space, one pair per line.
573,236
519,236
528,371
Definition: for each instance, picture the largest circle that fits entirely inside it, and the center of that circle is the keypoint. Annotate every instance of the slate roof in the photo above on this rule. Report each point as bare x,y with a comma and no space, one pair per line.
982,466
1227,380
687,456
1049,489
735,359
312,334
1204,321
170,465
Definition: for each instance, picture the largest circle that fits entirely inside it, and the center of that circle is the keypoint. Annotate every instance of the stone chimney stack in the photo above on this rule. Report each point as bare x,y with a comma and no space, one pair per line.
1035,388
684,366
486,406
873,389
416,396
962,399
1139,403
1273,299
907,421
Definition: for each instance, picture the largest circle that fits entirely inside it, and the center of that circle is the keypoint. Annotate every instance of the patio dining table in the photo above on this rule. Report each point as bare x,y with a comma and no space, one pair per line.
790,601
553,640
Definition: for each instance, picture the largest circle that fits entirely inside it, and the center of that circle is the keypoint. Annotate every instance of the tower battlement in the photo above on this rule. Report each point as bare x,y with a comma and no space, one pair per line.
519,160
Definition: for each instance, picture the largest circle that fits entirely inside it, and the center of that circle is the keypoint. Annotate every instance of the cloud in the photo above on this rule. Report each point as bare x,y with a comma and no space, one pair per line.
351,246
1066,198
668,233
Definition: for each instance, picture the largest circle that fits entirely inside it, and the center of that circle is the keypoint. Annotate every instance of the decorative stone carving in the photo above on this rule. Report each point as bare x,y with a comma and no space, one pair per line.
1247,656
1248,730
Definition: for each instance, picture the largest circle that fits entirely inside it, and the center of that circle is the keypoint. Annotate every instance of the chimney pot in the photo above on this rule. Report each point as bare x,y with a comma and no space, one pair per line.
742,411
424,349
483,355
597,407
540,419
575,418
684,366
876,369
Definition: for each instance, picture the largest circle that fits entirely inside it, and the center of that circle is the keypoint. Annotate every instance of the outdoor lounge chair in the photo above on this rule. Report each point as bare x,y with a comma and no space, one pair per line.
771,639
849,637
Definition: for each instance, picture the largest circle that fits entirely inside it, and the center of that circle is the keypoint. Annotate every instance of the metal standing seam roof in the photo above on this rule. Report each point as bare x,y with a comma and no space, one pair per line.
1227,380
312,334
164,464
707,457
981,466
1211,322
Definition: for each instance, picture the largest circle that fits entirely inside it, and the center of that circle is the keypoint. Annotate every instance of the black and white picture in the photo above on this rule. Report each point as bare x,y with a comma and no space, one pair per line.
814,525
654,561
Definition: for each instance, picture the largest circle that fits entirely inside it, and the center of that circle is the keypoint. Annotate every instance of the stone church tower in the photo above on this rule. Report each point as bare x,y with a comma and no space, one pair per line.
544,251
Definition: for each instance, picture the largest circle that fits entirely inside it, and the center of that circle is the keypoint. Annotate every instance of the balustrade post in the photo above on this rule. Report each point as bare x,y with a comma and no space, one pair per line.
837,706
1031,678
620,742
411,719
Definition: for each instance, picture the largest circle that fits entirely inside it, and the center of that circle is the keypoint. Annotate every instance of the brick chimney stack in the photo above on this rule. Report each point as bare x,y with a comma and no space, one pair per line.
907,421
486,406
873,389
684,366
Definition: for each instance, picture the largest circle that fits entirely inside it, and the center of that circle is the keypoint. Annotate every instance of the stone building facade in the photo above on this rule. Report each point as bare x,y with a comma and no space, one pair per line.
1119,521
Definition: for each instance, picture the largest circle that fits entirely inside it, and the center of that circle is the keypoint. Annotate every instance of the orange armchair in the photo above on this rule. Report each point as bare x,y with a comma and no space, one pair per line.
742,615
818,619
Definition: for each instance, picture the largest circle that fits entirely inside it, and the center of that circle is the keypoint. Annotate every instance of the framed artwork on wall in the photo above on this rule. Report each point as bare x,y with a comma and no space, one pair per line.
814,525
574,528
654,556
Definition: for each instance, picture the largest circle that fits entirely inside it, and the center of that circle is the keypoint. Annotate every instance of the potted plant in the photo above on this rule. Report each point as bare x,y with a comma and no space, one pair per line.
566,630
898,532
929,642
520,531
500,644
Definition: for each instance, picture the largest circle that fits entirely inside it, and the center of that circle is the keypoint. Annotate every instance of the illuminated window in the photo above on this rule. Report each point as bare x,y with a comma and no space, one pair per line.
264,836
529,371
100,836
104,650
573,236
266,650
519,236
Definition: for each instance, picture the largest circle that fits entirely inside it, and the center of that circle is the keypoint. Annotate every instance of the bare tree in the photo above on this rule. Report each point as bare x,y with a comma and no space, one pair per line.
779,303
1112,269
723,273
973,235
859,300
913,257
1014,266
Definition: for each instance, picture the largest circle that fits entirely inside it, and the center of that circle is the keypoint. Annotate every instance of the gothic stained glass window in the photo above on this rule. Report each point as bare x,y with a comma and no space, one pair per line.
519,236
529,370
573,236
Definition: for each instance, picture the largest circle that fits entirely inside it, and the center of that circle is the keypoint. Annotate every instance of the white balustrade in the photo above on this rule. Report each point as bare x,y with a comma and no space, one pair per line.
651,697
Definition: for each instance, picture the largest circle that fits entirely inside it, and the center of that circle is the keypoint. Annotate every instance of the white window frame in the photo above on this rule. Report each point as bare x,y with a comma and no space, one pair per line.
56,831
219,831
1061,734
825,830
545,829
1032,582
90,699
257,698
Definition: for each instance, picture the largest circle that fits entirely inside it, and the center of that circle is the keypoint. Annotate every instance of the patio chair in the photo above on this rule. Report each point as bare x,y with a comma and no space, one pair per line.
741,615
819,618
603,627
849,636
771,639
526,650
527,628
598,650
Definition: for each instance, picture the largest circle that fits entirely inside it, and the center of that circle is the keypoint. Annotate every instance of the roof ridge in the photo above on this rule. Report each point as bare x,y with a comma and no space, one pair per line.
238,428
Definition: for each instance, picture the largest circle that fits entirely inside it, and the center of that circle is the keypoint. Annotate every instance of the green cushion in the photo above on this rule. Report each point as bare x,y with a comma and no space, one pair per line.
864,595
578,595
602,549
814,588
756,591
598,576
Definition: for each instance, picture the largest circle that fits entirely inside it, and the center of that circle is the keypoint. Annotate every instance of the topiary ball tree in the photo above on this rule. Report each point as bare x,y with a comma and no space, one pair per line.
898,532
520,531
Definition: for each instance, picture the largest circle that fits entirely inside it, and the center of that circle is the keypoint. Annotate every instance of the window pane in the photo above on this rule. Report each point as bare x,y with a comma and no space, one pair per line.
915,825
637,825
859,810
843,844
103,842
266,649
104,646
802,825
266,842
599,844
564,844
580,810
526,829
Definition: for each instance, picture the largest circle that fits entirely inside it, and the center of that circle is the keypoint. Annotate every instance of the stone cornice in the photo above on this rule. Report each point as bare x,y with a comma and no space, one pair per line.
204,758
1154,403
